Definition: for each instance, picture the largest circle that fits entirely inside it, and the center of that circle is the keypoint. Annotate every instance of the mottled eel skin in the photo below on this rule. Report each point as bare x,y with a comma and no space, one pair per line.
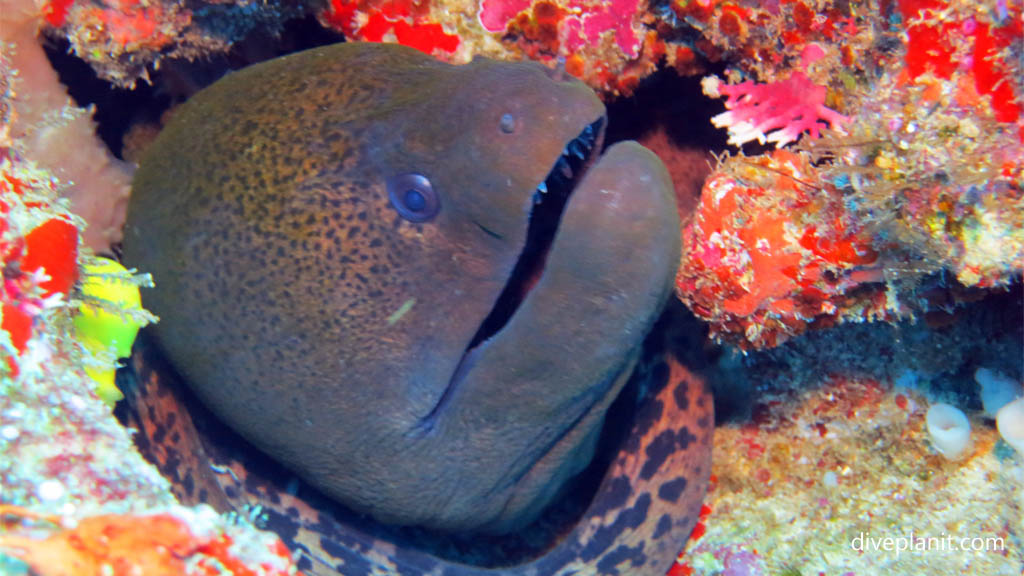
362,267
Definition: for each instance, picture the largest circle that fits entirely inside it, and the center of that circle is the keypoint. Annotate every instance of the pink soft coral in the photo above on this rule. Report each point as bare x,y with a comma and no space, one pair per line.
786,109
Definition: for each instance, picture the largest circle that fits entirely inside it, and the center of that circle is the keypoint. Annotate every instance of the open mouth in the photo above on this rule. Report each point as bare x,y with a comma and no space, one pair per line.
549,201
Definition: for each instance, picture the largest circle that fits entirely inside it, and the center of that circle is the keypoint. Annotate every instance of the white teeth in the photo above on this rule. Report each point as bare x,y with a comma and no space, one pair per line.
565,168
570,160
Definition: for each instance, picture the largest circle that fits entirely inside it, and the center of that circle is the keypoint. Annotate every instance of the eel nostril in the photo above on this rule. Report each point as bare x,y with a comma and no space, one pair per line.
558,73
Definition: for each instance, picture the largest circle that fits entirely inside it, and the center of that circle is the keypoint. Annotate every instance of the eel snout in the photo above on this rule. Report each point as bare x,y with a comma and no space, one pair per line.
542,382
549,201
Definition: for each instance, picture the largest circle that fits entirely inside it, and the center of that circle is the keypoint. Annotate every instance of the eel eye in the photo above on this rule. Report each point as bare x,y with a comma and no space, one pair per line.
413,197
508,123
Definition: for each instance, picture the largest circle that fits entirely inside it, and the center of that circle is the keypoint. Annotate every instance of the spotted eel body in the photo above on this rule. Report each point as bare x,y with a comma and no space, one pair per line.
419,287
636,524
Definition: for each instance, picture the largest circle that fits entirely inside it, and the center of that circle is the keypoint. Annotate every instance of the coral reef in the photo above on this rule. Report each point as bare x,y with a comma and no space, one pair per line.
833,446
169,542
39,257
887,183
47,128
64,453
610,45
798,487
920,174
75,495
770,250
123,39
66,460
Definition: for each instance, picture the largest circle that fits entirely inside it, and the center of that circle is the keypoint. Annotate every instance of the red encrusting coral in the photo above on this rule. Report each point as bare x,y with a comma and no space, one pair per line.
56,11
52,247
126,25
38,254
771,250
495,15
159,544
617,16
942,45
681,567
407,20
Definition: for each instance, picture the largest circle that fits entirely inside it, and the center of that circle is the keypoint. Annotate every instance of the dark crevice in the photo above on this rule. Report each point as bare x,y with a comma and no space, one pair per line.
671,102
116,108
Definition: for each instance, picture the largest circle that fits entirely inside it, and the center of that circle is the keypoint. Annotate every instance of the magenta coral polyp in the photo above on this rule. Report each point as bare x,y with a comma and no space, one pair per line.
598,18
778,112
494,15
584,25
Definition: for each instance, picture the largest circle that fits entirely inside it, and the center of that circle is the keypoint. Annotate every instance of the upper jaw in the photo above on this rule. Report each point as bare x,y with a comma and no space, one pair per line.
549,200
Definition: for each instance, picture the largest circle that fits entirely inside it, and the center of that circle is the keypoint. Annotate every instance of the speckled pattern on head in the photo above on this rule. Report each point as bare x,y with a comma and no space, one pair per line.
334,332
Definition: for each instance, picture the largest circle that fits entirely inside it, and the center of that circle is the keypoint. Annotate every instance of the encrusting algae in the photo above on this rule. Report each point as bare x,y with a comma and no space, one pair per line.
75,496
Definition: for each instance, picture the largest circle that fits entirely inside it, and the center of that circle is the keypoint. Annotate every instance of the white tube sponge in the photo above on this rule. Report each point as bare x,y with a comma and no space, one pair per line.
1010,422
996,390
950,430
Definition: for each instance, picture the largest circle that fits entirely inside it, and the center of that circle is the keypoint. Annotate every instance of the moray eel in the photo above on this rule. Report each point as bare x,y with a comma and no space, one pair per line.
417,286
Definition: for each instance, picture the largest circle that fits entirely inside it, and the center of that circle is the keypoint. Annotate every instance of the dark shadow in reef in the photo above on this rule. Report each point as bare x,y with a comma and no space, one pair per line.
935,355
675,103
116,108
670,115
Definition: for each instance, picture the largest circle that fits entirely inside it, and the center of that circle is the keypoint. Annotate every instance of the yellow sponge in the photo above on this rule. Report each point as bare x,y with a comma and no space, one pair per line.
110,327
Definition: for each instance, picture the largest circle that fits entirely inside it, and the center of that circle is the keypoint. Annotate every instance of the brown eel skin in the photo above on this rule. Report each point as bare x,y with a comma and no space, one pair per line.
420,288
